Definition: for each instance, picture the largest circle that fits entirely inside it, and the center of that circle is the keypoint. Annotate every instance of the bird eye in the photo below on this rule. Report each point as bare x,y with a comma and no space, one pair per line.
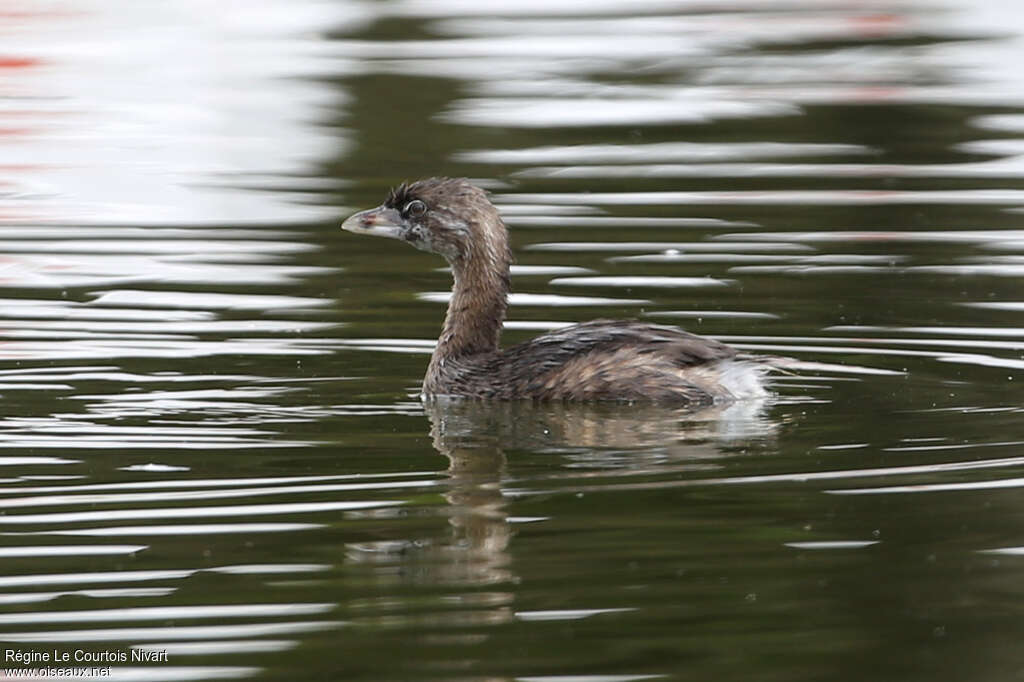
415,208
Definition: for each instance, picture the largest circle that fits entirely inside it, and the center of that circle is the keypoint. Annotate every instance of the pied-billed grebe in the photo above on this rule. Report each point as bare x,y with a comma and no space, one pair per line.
622,360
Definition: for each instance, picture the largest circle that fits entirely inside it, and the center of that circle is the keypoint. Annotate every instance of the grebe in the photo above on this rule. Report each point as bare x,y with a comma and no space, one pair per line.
620,360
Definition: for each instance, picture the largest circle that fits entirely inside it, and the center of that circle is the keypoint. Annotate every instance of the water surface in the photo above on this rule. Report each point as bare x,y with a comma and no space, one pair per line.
211,444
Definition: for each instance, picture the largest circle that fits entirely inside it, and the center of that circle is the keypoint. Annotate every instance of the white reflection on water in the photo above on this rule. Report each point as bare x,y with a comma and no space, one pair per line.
726,257
104,349
811,269
542,299
671,247
548,211
90,577
194,512
38,328
68,550
832,544
67,270
205,494
539,8
1011,123
166,612
747,315
1008,197
1010,332
590,678
1002,168
699,22
203,483
169,174
934,487
1014,306
551,111
928,470
983,270
617,222
181,529
253,248
639,281
539,64
110,593
166,141
853,236
566,614
688,152
29,461
177,632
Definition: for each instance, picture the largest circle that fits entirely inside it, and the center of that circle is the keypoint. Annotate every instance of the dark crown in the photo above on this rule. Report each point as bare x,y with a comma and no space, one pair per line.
399,196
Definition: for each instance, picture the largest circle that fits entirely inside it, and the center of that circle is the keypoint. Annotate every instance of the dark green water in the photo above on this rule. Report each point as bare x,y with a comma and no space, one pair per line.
211,444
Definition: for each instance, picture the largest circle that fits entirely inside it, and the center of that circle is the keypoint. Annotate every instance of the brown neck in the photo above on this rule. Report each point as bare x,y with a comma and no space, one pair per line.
477,308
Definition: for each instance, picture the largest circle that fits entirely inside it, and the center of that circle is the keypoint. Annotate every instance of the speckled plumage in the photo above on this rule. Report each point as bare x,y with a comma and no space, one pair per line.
623,360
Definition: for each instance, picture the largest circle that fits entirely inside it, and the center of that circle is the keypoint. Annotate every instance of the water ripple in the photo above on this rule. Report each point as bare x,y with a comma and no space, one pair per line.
178,632
176,291
194,512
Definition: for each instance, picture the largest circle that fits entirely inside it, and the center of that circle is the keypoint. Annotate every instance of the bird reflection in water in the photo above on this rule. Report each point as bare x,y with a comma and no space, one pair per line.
462,572
475,436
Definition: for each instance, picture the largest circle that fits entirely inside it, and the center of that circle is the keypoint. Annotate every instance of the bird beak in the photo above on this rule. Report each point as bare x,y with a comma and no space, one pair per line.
376,222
